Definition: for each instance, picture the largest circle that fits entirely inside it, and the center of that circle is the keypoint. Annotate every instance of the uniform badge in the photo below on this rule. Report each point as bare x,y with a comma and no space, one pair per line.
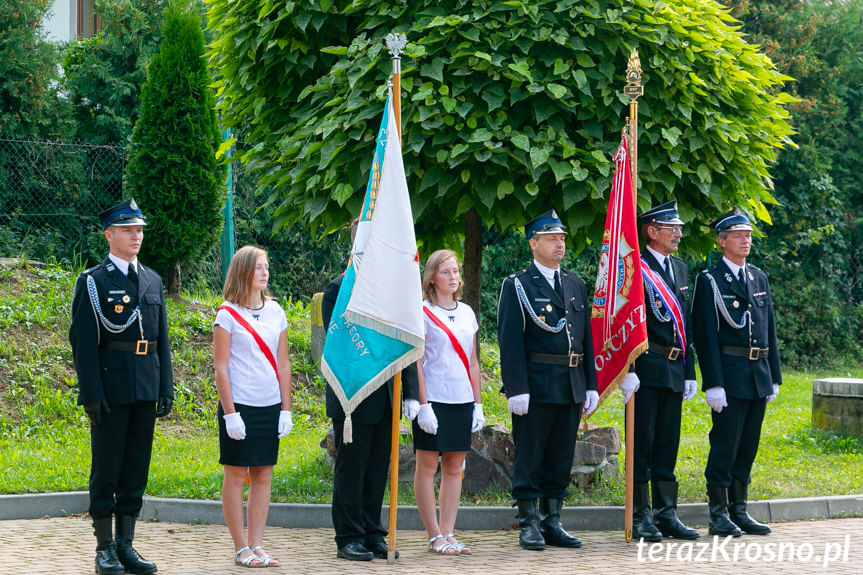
735,304
126,299
751,277
548,307
542,318
118,309
728,277
658,303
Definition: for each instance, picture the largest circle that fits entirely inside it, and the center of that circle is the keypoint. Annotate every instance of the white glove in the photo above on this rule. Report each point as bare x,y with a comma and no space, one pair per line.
427,419
478,418
518,404
411,408
286,423
715,398
629,385
690,386
235,426
773,395
591,402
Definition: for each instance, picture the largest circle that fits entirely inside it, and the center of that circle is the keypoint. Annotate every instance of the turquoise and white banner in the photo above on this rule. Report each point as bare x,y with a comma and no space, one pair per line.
377,327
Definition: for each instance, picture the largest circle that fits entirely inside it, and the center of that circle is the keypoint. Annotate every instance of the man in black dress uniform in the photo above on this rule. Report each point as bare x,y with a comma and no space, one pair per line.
735,337
119,337
664,377
361,467
546,359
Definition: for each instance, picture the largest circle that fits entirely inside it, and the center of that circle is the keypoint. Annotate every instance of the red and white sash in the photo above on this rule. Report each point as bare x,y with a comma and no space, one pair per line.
666,296
265,349
458,348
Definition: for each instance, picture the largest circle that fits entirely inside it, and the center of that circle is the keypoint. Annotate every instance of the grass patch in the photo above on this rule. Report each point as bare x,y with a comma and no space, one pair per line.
42,429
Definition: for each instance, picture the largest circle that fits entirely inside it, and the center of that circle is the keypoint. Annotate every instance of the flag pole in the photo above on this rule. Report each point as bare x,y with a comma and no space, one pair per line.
395,44
632,90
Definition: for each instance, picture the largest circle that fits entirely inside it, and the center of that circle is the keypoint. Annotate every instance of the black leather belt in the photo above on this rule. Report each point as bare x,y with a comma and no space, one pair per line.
142,347
571,360
751,353
669,353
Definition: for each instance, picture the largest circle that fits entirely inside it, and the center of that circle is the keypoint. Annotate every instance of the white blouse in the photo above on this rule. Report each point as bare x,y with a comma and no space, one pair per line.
446,379
253,380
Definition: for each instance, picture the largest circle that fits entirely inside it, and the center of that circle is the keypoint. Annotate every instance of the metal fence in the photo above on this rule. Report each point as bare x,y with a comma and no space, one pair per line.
50,195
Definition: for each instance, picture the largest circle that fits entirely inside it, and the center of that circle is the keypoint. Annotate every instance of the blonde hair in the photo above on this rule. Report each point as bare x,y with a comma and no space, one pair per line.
238,282
432,265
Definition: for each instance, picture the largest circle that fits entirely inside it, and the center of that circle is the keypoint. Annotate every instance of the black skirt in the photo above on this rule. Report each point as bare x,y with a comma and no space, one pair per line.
261,445
453,428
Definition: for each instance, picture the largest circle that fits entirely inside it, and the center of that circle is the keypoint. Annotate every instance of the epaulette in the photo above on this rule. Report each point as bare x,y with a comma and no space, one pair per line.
90,270
754,267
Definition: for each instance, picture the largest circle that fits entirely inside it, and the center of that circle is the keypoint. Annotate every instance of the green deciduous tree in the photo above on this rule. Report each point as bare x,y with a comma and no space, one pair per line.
812,251
172,171
510,108
104,74
29,106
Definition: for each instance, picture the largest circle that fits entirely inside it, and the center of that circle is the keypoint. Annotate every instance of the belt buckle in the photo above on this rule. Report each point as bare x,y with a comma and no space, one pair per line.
575,359
754,354
141,347
673,353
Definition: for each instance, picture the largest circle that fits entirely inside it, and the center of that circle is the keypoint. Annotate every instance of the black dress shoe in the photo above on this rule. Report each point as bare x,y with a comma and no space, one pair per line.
379,548
107,562
355,551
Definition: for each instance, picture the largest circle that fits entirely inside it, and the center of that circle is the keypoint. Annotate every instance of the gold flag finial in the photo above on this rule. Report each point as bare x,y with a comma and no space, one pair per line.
633,88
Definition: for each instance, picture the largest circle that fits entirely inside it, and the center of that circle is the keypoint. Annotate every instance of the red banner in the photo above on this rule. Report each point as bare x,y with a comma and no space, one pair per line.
618,320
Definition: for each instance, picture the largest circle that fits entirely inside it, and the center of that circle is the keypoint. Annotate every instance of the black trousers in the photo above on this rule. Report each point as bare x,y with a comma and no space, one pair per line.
544,448
360,479
657,433
121,446
734,441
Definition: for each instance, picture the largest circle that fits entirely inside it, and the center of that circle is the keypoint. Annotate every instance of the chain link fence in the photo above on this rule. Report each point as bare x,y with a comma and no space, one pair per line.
51,195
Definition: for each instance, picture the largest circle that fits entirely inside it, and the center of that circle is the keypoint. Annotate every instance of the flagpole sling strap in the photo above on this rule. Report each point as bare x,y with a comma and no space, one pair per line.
248,327
458,348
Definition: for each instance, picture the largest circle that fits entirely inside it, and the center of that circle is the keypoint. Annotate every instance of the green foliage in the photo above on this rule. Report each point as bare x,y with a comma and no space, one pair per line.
509,107
103,74
300,263
29,105
812,252
173,172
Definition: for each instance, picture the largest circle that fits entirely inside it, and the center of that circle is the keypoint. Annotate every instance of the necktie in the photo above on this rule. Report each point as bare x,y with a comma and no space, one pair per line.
741,276
133,277
557,289
668,271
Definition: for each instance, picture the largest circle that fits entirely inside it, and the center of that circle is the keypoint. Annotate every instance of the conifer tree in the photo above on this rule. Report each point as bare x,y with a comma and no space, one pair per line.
173,173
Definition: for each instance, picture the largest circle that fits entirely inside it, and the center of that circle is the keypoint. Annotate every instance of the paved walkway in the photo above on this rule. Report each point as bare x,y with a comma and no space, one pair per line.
65,546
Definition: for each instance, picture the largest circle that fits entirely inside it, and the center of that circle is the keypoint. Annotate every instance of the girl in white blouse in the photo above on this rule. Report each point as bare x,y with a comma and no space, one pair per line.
450,399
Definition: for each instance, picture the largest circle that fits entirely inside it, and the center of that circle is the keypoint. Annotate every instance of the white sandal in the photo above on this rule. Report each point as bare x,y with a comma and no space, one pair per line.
443,549
462,548
247,561
266,558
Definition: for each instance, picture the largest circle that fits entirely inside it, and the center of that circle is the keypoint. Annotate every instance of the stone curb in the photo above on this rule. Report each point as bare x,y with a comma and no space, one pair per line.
296,515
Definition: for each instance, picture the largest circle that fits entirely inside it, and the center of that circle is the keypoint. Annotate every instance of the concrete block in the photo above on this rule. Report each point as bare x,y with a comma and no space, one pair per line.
845,506
35,505
797,509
